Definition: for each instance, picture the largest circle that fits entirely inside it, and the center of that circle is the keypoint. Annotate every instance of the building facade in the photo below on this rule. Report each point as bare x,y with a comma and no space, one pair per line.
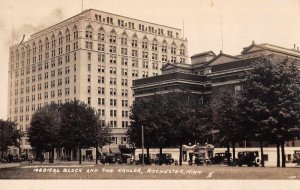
209,73
93,57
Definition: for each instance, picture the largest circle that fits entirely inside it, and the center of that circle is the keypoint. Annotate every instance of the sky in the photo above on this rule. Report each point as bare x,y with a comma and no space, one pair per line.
204,23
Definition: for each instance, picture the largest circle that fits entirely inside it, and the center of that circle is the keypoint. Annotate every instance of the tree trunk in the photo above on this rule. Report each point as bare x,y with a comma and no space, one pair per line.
262,153
233,151
278,155
79,154
148,154
97,154
282,154
52,155
228,153
180,155
160,155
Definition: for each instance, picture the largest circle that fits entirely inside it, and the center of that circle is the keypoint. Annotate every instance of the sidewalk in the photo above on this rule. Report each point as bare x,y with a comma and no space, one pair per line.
9,165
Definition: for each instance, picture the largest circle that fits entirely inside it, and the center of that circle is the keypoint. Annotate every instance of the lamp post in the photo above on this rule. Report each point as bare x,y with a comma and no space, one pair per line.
143,158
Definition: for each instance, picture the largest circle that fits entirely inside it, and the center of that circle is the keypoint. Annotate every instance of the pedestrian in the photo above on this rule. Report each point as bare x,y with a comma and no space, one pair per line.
42,157
31,158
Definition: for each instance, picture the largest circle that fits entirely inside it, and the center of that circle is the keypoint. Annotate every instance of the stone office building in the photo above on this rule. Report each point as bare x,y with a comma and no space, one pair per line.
94,57
208,73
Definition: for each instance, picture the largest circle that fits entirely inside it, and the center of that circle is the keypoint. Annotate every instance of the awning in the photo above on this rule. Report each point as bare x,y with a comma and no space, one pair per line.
210,147
114,150
105,150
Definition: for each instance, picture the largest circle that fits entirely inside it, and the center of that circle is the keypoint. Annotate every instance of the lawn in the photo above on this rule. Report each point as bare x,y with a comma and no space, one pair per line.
91,171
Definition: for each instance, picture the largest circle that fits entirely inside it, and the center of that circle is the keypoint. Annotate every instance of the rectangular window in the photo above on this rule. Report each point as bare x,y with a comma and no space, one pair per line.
101,57
124,60
101,47
113,59
89,56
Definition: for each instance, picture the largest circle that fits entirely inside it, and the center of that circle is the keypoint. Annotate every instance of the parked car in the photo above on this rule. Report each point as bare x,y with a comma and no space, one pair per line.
221,158
23,158
146,160
249,158
200,159
296,157
165,158
108,158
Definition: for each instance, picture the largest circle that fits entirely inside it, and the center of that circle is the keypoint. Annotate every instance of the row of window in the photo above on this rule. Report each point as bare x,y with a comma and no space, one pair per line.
134,44
112,123
101,59
131,25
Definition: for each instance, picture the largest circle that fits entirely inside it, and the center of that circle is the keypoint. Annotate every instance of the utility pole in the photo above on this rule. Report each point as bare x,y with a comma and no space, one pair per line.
143,162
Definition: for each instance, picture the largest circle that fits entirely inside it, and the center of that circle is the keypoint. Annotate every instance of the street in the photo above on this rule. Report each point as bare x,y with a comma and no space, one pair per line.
88,170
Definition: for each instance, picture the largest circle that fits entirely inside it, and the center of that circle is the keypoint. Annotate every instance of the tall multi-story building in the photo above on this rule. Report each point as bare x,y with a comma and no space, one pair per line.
93,57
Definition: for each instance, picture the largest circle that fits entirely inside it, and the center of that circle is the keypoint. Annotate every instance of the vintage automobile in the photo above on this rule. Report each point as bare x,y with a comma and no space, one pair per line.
165,158
200,155
108,158
146,160
249,158
126,159
199,159
221,158
296,157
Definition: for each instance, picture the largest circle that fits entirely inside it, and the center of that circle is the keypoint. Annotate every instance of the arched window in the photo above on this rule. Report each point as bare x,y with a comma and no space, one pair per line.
47,43
89,32
23,52
173,48
124,39
68,36
53,41
134,42
113,36
60,39
145,43
17,54
28,51
164,47
75,32
154,44
182,50
40,46
33,48
101,35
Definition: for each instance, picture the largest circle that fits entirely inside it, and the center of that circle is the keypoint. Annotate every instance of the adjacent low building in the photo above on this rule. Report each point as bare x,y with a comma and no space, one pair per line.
208,73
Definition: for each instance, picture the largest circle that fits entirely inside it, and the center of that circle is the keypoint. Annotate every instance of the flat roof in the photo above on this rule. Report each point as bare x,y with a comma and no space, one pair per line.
89,10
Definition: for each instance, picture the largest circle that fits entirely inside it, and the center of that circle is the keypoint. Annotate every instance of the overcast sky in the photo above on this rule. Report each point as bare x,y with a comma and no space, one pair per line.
264,21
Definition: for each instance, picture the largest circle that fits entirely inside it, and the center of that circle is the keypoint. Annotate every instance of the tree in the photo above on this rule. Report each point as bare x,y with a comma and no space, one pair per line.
187,119
102,136
80,127
9,135
44,130
226,118
149,113
171,119
271,101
